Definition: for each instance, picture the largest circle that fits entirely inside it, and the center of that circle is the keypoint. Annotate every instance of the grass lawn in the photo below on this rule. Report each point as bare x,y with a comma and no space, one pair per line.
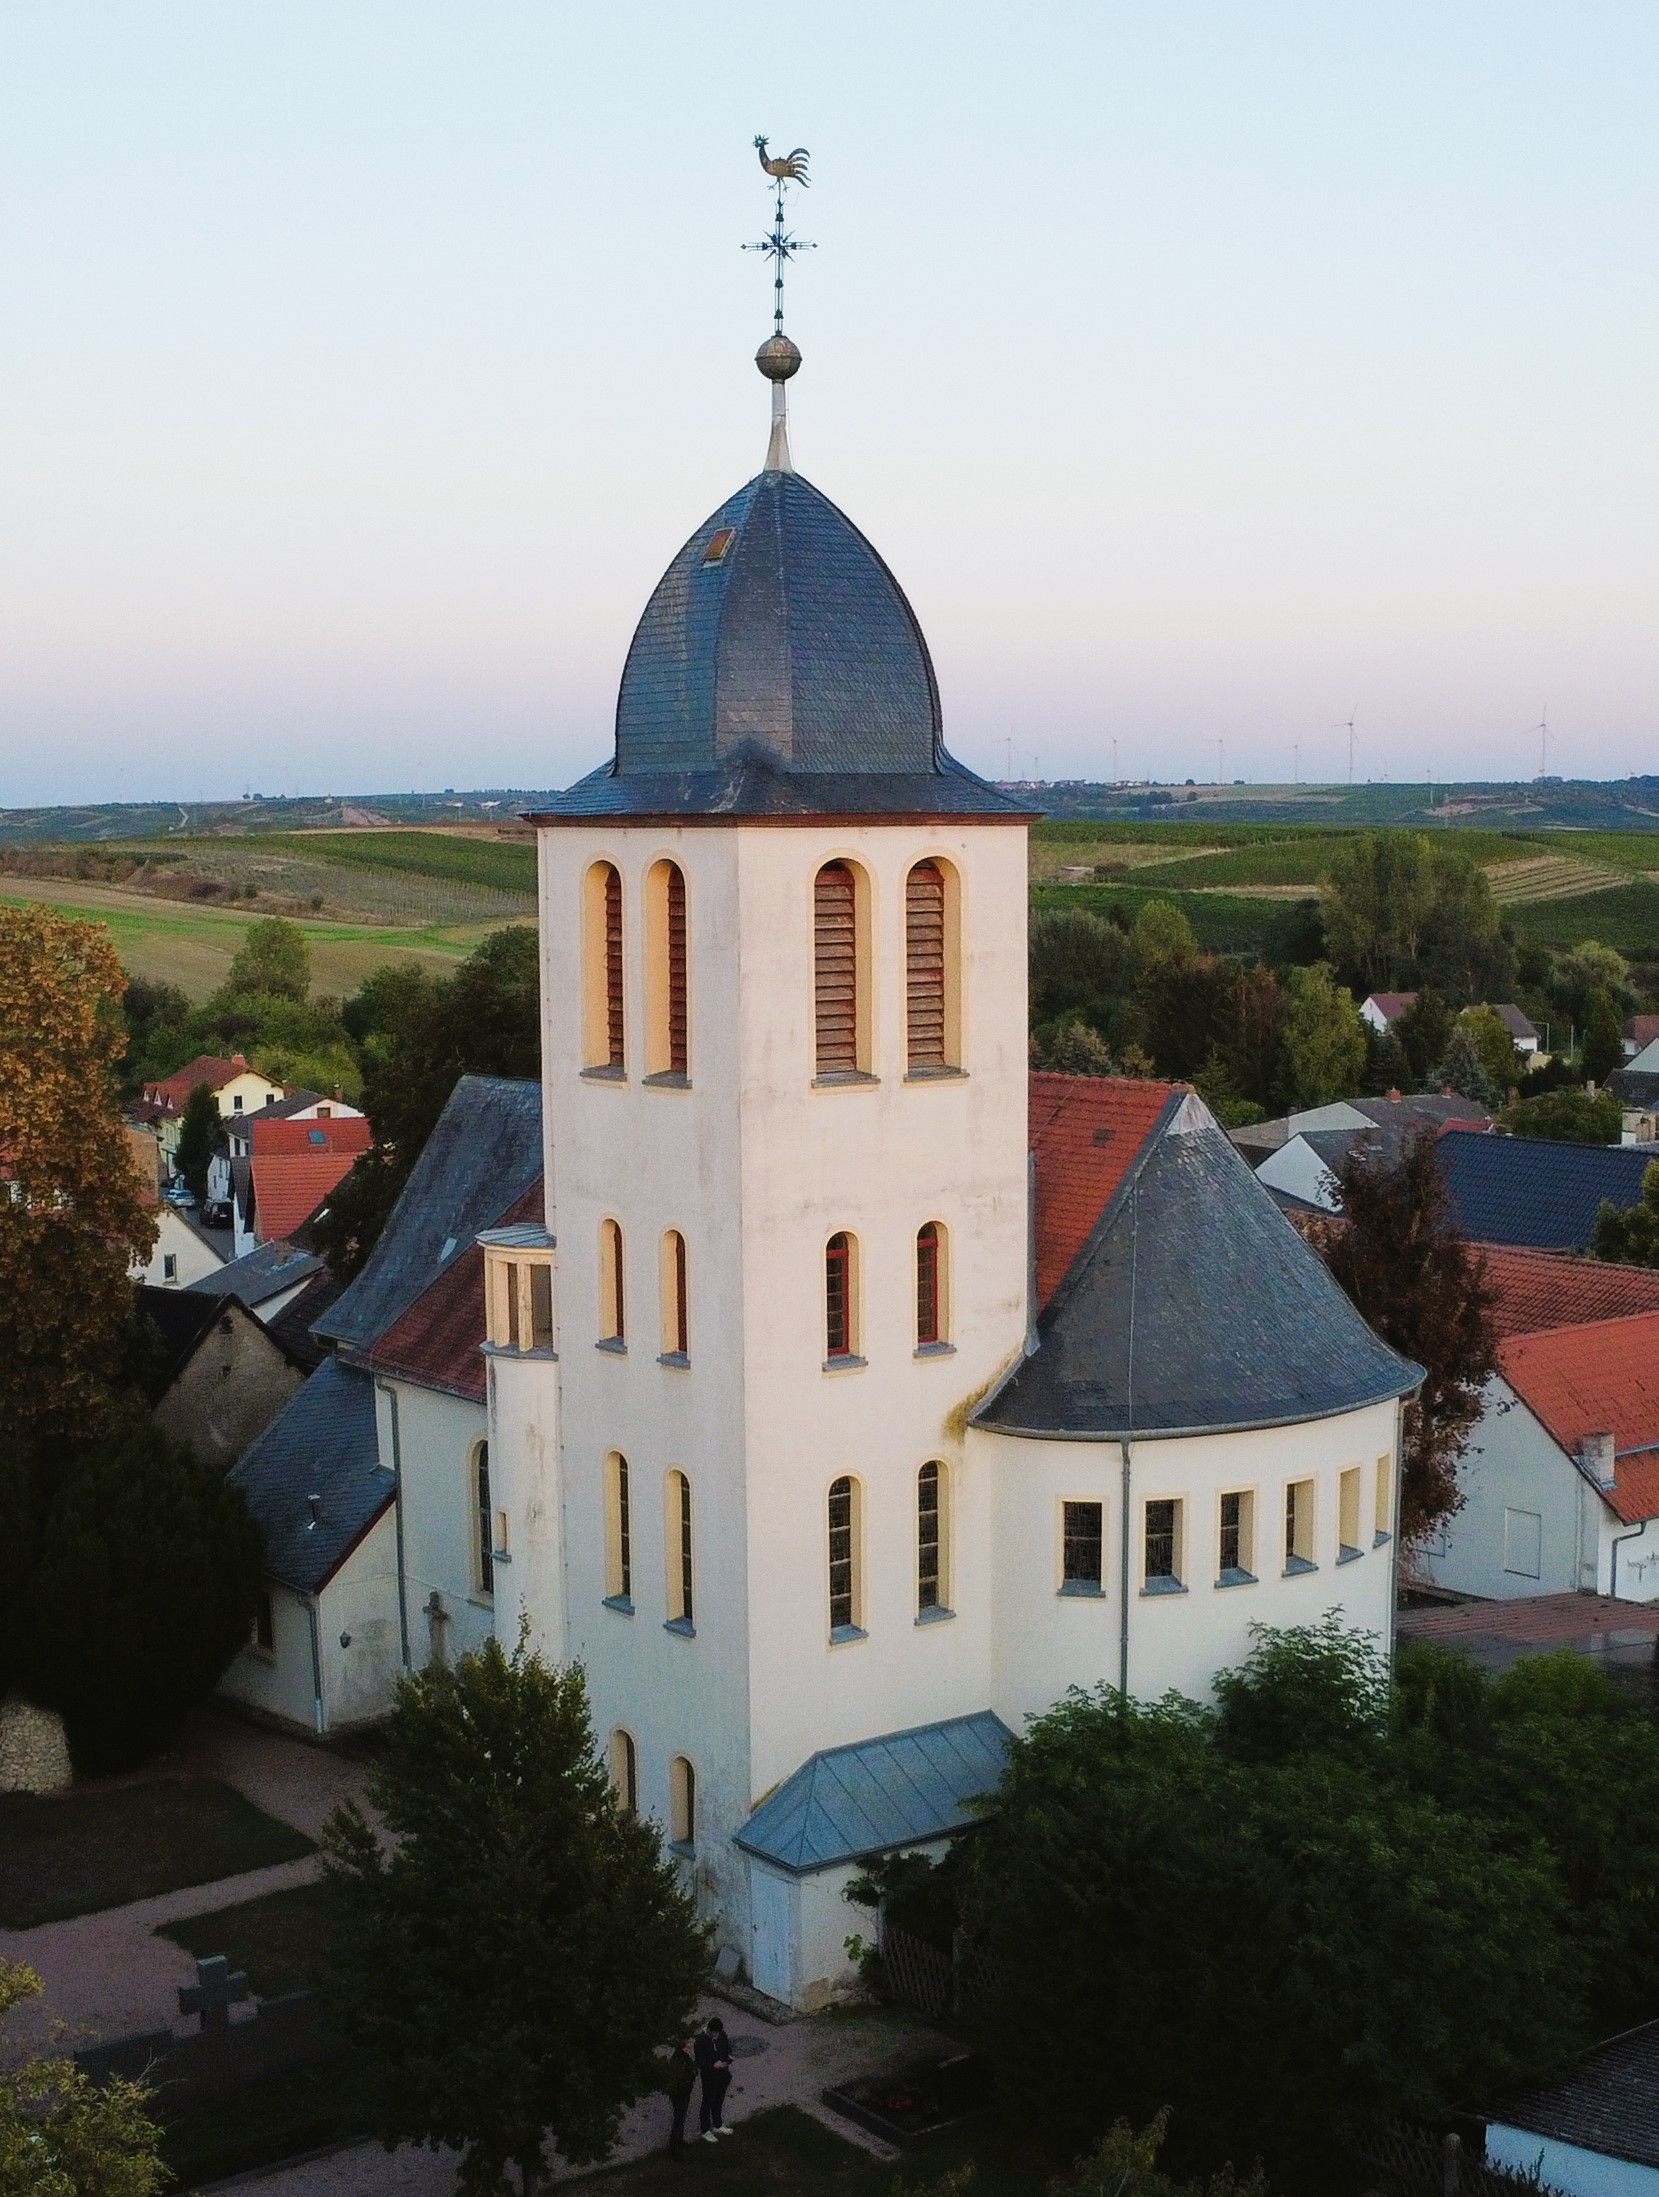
76,1852
786,2153
330,2102
280,1940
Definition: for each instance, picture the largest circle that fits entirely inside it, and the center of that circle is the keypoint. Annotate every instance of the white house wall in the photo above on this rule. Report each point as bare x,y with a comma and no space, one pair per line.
1048,1640
1514,1466
436,1436
359,1675
1568,2167
278,1681
176,1240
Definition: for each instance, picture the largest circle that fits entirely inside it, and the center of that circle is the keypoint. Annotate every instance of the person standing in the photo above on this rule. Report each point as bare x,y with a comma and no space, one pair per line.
679,2080
714,2063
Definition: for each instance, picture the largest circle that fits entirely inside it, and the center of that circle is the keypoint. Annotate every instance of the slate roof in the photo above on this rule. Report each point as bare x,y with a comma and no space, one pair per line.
183,1317
779,670
848,1802
1543,1289
1521,1190
1636,1087
1607,2102
1193,1307
439,1341
261,1274
292,1325
1515,1022
1085,1132
1596,1379
239,1127
484,1154
321,1443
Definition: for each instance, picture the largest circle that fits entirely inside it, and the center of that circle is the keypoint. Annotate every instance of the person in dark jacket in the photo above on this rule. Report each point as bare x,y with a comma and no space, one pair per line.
713,2053
679,2080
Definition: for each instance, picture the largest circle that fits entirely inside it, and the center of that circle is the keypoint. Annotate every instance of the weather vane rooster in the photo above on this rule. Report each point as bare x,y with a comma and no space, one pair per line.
791,168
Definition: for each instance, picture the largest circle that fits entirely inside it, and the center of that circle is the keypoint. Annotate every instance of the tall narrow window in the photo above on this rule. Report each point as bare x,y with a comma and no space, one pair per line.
682,1802
681,1605
1347,1506
932,1539
845,1599
1162,1545
924,914
1237,1554
840,1307
676,1301
541,1306
484,1522
613,1323
1081,1548
625,1771
930,1285
666,1011
602,1006
836,970
1384,1499
1299,1526
619,1532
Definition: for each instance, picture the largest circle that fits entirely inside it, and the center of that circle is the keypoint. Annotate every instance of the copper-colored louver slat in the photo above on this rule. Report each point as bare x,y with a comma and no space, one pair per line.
613,967
925,964
676,972
836,937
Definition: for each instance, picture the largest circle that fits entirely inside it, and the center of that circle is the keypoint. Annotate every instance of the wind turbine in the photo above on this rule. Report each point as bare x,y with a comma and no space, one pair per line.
1346,724
1542,728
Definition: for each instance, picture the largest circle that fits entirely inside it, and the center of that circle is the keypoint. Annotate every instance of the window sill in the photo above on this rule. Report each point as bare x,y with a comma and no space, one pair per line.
1381,1540
260,1655
682,1849
1346,1555
612,1345
1236,1576
851,1079
621,1603
936,1075
842,1635
848,1364
481,1599
1082,1590
938,1615
604,1075
1295,1566
544,1352
669,1079
1163,1586
498,1557
935,1350
676,1358
683,1626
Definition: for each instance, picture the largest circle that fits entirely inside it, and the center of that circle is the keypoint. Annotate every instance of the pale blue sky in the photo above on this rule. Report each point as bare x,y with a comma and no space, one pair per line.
1202,371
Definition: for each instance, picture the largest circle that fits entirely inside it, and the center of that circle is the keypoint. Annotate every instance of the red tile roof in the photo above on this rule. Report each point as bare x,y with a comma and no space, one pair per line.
1642,1030
209,1068
1392,1003
1084,1131
289,1186
439,1341
1530,1620
1544,1289
1596,1379
334,1133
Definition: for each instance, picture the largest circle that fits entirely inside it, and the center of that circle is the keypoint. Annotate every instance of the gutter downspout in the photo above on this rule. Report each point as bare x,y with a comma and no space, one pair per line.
1123,1581
1030,1254
1619,1539
316,1667
390,1395
1129,1417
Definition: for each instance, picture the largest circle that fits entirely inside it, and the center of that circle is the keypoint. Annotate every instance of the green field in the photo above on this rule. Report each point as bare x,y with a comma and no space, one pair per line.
500,865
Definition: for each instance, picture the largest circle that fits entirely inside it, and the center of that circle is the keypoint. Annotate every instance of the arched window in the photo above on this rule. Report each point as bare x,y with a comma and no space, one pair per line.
846,1599
676,1308
840,979
602,1020
932,1538
619,1532
682,1802
613,1303
932,1306
483,1521
927,971
840,1297
666,1015
625,1770
682,1609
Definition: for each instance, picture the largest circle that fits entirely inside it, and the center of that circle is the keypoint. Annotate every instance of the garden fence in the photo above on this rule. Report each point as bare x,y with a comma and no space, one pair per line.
1423,2162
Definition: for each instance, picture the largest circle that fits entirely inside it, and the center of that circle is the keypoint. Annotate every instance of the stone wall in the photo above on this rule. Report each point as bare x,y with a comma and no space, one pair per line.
34,1755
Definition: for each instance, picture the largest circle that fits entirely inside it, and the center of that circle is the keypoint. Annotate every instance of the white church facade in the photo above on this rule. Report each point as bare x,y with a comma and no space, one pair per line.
856,1391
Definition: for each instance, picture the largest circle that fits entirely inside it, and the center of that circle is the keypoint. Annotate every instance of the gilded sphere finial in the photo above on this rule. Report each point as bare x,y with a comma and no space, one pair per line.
778,358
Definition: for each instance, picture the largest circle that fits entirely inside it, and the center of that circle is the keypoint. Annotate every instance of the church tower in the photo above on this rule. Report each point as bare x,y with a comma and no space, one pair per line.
787,1245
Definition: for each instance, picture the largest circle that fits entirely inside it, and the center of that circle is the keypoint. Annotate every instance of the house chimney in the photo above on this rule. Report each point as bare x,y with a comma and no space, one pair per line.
1394,1098
237,1061
1596,1455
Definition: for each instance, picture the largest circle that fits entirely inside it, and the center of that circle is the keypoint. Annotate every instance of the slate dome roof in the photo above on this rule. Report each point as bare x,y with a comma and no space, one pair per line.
779,669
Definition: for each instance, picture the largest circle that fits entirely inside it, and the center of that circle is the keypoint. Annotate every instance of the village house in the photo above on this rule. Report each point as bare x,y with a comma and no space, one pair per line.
185,1251
219,1377
236,1089
1527,1192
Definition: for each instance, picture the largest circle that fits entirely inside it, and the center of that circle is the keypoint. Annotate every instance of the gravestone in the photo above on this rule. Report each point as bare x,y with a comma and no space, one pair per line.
214,1992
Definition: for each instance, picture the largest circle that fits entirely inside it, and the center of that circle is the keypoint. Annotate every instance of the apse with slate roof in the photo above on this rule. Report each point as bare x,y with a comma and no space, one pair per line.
805,1428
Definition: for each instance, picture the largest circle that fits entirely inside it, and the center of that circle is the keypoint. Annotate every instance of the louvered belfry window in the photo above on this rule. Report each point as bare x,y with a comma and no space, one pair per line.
835,918
925,964
676,971
613,967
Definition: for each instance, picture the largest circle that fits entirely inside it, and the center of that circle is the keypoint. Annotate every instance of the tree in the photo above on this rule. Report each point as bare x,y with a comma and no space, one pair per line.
61,2134
1588,968
1252,1029
1495,1046
1464,951
142,1573
1567,1116
1376,899
1399,1256
1162,935
518,1954
198,1134
1603,1040
273,960
1323,1051
73,1221
1125,2164
484,1020
1073,1049
1464,1071
1425,1030
155,1015
1630,1238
